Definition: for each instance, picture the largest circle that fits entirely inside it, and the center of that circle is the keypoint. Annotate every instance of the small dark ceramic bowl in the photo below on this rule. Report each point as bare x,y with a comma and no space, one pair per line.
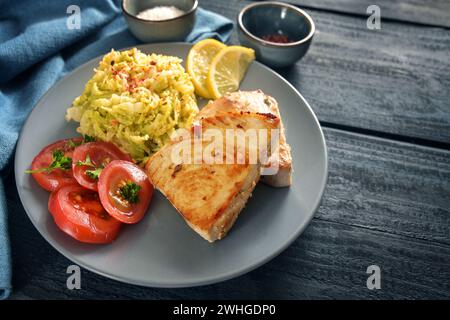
259,20
175,29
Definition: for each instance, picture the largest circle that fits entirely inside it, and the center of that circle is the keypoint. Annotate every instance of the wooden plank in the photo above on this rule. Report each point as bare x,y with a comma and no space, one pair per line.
386,203
394,80
328,261
429,12
388,186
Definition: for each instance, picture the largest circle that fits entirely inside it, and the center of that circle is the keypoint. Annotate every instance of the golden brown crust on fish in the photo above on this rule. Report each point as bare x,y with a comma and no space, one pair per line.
209,196
257,102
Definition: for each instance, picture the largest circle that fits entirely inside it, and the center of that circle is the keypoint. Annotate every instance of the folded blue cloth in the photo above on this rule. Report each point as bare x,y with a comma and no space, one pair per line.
37,48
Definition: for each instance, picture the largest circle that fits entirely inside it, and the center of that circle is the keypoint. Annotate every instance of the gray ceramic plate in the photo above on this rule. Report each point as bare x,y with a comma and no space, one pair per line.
161,250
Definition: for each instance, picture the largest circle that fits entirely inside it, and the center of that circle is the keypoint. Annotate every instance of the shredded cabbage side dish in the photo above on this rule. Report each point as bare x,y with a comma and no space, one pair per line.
135,101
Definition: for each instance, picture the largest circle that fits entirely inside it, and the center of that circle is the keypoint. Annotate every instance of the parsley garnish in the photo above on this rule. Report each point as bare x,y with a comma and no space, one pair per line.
130,192
88,138
93,174
72,144
59,161
86,162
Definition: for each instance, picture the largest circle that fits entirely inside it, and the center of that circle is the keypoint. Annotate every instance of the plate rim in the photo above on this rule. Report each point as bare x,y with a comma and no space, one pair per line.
212,279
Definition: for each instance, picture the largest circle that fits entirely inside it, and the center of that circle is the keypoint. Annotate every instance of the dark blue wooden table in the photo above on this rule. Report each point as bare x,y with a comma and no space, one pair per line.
383,99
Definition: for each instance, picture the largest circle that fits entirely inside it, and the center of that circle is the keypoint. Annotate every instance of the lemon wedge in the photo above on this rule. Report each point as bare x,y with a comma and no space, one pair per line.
227,69
198,61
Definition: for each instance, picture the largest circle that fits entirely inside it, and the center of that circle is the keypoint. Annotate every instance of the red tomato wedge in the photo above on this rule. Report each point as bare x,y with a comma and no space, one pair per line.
54,179
79,213
98,154
125,191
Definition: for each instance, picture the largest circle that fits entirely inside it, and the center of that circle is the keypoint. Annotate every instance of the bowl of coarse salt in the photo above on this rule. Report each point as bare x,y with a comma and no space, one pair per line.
160,20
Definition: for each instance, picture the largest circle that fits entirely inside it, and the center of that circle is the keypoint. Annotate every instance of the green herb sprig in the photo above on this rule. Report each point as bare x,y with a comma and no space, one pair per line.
93,174
59,161
88,139
130,192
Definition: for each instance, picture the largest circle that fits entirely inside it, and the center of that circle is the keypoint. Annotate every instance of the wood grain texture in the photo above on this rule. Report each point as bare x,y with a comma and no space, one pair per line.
391,187
394,80
386,203
429,12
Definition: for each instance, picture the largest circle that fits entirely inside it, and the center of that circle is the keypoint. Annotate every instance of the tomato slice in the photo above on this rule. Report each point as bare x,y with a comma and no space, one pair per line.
113,190
99,154
56,178
79,213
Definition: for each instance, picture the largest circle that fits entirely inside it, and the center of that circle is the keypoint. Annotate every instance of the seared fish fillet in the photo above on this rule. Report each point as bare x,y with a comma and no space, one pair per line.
257,101
209,196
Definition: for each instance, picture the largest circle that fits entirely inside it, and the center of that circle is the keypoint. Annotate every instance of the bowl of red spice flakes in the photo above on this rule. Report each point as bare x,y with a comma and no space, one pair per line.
279,33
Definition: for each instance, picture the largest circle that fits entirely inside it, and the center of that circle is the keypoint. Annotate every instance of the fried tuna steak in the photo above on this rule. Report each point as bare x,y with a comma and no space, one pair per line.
210,196
257,102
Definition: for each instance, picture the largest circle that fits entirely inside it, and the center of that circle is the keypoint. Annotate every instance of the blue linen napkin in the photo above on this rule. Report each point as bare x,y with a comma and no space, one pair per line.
37,48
